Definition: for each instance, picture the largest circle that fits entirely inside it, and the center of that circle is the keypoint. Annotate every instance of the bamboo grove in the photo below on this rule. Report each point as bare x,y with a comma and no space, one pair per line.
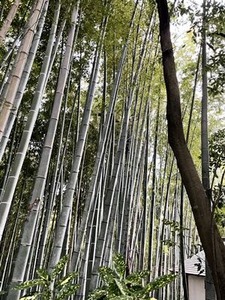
86,169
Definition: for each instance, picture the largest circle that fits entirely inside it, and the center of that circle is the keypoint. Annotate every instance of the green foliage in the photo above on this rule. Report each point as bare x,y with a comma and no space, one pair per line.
216,51
217,150
63,286
119,286
215,32
217,164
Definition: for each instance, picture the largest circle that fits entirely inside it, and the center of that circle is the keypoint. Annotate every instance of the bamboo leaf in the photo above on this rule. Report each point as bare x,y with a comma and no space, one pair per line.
160,282
119,265
107,275
99,293
67,279
136,278
122,287
59,267
66,291
43,274
29,284
125,297
32,297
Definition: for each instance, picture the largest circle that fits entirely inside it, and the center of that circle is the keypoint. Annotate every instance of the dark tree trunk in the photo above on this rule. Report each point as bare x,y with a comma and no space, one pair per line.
211,241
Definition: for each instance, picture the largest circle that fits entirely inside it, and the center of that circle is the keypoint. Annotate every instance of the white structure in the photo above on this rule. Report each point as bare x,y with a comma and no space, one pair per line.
195,270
